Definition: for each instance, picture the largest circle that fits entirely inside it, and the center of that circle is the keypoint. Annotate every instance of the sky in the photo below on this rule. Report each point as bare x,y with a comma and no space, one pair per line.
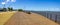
35,5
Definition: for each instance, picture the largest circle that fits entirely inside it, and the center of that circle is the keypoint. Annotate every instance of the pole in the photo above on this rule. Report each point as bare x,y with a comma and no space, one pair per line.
51,16
56,18
4,6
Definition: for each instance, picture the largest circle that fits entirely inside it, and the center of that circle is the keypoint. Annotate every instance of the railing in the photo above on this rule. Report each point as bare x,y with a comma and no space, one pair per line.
54,17
50,15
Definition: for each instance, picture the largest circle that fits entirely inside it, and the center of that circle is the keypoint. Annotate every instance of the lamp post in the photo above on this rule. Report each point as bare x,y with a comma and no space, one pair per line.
4,9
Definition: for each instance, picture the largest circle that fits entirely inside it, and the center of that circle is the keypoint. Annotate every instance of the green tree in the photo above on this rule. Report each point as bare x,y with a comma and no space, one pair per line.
4,9
10,9
20,9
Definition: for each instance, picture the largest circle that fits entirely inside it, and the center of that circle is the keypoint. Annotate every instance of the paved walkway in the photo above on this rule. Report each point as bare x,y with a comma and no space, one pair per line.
21,18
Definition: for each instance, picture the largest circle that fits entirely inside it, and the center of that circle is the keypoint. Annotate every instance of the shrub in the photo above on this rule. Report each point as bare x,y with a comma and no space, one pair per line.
29,12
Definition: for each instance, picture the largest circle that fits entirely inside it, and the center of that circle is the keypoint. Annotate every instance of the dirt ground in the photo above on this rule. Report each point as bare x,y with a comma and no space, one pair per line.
21,18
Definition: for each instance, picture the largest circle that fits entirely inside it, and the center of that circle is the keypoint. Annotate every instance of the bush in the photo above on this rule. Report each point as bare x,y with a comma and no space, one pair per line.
29,12
20,10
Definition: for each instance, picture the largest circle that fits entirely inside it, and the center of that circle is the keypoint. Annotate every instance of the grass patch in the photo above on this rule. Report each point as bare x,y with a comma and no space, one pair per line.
4,16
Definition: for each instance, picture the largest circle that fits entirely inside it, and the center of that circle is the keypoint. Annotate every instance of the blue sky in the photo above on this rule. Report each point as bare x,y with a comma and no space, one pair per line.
36,5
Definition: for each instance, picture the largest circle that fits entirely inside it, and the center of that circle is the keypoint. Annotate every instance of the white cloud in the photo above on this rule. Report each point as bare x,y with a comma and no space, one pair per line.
3,3
7,0
13,0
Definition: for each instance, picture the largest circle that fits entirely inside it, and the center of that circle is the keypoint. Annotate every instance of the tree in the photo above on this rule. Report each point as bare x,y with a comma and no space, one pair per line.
1,9
10,9
4,9
20,10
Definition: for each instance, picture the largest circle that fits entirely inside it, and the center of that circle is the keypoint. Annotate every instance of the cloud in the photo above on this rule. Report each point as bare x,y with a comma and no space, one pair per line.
13,0
7,0
3,3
